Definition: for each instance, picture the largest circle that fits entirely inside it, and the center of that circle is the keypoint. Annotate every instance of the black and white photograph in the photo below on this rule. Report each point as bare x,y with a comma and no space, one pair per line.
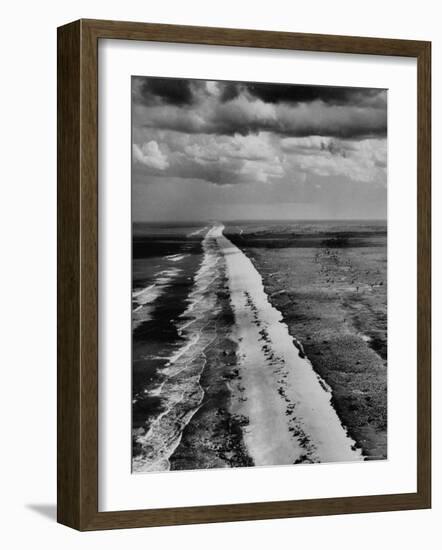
259,274
220,245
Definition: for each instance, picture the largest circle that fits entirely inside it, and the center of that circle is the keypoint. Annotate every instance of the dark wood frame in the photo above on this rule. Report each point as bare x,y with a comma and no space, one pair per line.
78,268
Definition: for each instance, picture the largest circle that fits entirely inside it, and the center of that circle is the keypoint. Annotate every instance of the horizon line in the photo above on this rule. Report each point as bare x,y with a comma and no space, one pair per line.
214,220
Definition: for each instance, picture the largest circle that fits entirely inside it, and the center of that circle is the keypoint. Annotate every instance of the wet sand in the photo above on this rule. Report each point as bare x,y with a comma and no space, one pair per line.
214,437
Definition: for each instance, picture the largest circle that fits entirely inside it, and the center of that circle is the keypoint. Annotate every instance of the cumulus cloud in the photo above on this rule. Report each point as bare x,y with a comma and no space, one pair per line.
312,145
265,157
215,148
244,133
216,159
150,155
362,160
244,116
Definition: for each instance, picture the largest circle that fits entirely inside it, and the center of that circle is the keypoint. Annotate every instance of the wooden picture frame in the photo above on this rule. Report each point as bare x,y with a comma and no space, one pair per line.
78,274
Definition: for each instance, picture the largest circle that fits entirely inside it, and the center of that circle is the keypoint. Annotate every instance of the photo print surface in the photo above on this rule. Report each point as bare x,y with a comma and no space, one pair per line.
259,274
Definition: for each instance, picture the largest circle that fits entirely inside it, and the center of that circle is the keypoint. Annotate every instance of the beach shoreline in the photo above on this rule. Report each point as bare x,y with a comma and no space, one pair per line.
282,361
333,301
214,436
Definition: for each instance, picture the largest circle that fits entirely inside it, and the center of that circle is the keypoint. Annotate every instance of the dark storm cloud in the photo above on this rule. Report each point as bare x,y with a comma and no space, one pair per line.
184,92
230,141
229,91
229,108
244,117
168,91
289,93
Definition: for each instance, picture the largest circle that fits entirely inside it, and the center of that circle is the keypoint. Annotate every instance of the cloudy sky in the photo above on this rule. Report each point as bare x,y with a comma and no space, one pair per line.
205,150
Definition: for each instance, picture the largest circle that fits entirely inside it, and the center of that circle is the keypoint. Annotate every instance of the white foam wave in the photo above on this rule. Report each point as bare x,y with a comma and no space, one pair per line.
145,298
176,257
197,232
147,295
180,389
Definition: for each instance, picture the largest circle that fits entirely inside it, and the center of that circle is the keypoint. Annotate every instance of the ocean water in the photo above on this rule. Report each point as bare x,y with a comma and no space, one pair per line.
177,269
173,303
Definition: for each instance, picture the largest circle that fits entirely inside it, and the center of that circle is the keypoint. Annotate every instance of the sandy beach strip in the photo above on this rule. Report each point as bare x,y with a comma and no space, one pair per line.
288,406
